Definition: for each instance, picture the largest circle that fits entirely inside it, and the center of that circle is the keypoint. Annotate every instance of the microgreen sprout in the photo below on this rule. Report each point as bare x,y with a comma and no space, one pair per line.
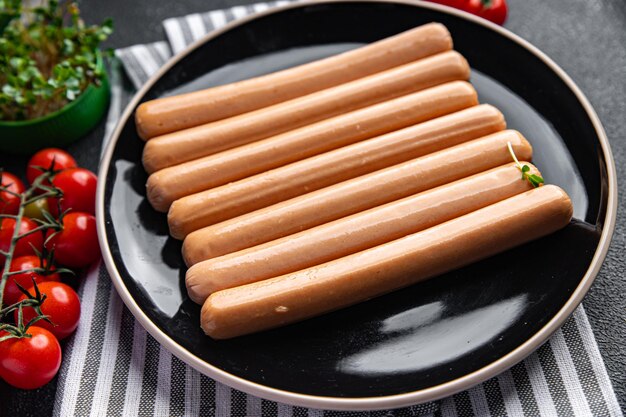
534,179
48,57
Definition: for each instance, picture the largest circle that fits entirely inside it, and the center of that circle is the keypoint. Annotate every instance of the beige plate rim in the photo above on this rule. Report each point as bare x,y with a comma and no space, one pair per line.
383,402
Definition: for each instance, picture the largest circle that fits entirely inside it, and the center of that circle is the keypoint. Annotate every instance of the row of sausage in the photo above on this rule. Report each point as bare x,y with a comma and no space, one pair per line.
307,190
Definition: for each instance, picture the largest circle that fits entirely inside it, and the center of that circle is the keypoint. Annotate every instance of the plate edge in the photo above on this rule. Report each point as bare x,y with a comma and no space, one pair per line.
383,402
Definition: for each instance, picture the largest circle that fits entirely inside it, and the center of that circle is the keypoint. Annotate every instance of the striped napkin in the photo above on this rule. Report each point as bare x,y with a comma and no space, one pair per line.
112,367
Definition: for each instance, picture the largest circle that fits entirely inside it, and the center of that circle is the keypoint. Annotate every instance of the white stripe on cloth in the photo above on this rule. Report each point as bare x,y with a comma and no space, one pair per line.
133,69
145,59
479,401
597,363
78,347
448,409
510,396
253,406
222,400
135,371
133,55
163,49
164,381
102,390
540,386
259,7
239,12
218,17
196,25
192,392
570,377
175,35
284,410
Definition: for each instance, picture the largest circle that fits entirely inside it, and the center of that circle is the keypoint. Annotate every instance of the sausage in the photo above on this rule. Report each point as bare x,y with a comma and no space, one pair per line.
351,161
164,115
188,144
351,196
388,267
169,184
172,183
354,233
316,172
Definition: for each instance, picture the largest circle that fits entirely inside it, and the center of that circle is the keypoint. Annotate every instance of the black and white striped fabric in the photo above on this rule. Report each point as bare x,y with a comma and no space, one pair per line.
112,367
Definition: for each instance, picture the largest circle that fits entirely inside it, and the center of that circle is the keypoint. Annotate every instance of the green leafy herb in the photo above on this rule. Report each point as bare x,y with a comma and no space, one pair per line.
48,57
534,179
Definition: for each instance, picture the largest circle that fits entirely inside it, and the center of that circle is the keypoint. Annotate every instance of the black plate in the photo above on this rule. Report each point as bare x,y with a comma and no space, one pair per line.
490,314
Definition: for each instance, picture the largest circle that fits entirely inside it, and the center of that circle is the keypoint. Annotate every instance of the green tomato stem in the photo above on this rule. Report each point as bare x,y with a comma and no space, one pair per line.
9,255
47,194
26,271
24,197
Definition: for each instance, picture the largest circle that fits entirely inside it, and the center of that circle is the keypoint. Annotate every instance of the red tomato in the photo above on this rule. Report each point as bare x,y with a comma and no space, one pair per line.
9,203
30,362
23,246
61,305
50,158
493,10
79,191
11,292
77,244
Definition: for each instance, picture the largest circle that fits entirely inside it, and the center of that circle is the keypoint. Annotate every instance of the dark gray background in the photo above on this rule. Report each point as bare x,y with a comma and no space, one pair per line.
585,37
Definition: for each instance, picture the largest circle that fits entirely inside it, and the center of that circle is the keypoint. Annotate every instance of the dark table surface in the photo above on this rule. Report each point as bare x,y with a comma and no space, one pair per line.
585,37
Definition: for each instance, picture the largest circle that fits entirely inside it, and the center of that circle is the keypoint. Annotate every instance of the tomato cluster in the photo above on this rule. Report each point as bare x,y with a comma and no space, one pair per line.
32,361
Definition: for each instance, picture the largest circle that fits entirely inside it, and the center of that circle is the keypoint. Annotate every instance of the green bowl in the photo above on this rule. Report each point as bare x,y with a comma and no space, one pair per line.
60,128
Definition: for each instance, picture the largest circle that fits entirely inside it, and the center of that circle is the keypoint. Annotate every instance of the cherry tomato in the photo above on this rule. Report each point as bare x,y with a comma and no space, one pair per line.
493,10
30,362
35,209
76,245
79,191
11,292
62,307
50,158
23,246
9,203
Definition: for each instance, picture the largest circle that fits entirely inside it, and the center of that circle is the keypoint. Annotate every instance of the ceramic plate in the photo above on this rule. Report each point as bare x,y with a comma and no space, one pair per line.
415,345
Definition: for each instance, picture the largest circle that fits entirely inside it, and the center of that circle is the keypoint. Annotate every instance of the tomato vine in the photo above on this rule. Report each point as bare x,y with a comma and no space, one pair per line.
37,191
